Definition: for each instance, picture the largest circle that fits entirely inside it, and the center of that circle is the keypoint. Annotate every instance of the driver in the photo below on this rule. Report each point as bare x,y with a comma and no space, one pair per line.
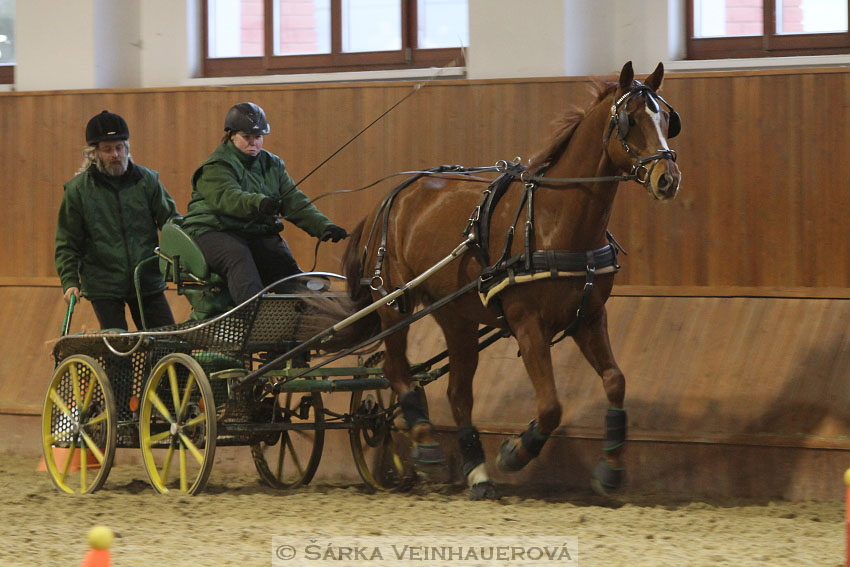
237,194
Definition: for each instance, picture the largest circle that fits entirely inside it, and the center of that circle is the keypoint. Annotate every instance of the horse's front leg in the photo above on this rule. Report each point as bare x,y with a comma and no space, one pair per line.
426,449
533,342
592,339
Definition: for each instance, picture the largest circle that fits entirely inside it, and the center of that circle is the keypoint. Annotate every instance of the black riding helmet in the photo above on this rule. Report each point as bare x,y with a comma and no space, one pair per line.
106,126
247,117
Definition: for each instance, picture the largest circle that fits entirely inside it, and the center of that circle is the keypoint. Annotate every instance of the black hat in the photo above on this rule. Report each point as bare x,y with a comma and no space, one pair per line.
106,126
246,117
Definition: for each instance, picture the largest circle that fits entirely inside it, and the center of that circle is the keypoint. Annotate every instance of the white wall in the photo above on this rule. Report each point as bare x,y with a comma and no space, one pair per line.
55,45
79,44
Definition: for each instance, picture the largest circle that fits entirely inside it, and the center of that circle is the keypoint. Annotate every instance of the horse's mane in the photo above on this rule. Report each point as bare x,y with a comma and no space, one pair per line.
566,125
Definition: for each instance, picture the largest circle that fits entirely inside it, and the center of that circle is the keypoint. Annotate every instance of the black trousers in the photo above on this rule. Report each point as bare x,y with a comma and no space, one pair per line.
110,312
249,264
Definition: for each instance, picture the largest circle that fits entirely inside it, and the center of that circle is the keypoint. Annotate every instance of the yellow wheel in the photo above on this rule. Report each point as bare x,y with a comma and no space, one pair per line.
177,426
290,458
78,426
380,447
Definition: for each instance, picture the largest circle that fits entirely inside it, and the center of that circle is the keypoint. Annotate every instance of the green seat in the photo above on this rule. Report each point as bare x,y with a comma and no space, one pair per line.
180,251
182,262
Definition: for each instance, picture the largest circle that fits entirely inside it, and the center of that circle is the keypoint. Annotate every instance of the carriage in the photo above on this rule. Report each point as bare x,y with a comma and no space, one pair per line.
176,393
248,376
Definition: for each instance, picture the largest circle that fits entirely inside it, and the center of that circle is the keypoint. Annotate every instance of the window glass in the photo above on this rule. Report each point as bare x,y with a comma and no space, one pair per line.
724,18
371,25
443,23
235,28
302,27
811,16
7,32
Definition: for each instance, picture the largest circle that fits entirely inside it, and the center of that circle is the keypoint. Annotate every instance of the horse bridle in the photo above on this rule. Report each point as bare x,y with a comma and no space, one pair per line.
620,120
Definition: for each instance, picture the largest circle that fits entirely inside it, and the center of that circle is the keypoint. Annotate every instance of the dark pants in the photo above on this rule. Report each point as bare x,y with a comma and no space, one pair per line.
249,264
110,312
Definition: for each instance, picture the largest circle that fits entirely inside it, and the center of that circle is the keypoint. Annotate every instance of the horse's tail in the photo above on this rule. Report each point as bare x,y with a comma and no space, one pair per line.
327,312
352,267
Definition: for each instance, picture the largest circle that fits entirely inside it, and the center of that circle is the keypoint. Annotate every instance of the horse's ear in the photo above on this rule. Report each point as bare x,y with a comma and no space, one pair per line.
654,80
627,76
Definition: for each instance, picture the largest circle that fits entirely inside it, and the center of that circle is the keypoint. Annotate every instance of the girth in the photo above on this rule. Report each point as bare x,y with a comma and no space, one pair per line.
547,264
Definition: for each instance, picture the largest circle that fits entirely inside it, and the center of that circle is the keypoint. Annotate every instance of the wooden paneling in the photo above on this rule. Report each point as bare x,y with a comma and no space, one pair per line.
763,201
729,317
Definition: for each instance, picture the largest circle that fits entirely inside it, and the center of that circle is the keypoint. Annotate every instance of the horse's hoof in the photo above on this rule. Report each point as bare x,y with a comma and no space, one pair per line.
427,454
510,457
606,479
483,491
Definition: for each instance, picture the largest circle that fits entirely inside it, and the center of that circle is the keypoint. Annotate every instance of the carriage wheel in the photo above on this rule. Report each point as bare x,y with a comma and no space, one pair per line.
380,448
290,458
177,426
78,426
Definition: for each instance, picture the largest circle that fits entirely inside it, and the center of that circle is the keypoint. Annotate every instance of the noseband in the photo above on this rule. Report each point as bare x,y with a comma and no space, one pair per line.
620,120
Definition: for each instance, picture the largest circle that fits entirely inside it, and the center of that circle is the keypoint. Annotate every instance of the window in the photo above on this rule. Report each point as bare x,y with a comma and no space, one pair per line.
7,41
256,37
719,29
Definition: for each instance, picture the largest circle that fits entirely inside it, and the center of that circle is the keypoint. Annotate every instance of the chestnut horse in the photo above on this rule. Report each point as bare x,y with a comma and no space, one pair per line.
624,131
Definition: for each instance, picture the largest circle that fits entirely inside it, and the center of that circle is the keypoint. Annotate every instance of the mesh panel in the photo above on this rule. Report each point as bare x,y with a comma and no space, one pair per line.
277,322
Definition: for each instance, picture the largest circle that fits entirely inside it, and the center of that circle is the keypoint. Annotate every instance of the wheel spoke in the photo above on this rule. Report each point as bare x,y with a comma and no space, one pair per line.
57,437
161,407
166,466
196,420
75,384
84,469
190,383
172,380
158,437
92,447
280,459
295,460
89,393
192,448
184,484
60,403
103,416
67,464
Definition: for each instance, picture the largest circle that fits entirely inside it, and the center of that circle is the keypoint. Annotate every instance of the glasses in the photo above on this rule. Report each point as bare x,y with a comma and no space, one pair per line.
109,149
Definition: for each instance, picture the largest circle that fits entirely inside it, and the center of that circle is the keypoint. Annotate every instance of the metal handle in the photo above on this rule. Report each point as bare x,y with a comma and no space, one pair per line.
67,323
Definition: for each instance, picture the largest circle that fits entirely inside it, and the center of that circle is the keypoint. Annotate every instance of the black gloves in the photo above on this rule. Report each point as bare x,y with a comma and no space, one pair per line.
270,206
334,233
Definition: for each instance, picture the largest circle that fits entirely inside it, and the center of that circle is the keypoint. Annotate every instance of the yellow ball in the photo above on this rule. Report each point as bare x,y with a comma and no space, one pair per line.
100,537
847,477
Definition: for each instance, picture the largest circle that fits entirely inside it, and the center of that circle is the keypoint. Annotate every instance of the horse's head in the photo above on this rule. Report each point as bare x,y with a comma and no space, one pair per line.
636,137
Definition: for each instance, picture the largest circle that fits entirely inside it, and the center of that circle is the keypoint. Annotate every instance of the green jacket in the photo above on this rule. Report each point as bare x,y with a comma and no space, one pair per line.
227,190
106,226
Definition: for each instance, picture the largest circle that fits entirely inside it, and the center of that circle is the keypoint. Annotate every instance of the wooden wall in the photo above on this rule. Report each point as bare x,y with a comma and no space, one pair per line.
763,203
730,313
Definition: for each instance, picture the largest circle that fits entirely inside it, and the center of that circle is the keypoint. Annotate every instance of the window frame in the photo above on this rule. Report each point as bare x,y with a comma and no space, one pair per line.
408,57
769,44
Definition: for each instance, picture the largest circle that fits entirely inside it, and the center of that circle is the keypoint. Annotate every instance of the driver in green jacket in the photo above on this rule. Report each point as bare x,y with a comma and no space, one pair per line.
108,221
237,195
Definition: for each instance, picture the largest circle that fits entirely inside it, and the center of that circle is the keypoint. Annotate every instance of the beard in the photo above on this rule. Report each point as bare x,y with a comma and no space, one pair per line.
115,168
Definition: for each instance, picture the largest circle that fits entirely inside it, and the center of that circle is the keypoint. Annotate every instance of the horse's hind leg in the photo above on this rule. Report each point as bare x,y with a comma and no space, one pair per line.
462,344
592,339
396,368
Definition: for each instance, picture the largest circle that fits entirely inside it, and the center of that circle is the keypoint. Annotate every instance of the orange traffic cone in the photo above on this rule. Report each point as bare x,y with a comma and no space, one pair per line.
100,540
97,558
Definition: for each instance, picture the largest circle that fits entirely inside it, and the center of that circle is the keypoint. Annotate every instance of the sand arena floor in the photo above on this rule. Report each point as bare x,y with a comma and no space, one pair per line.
235,520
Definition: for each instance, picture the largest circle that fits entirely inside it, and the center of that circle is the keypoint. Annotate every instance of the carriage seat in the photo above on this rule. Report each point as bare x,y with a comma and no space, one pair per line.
182,262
